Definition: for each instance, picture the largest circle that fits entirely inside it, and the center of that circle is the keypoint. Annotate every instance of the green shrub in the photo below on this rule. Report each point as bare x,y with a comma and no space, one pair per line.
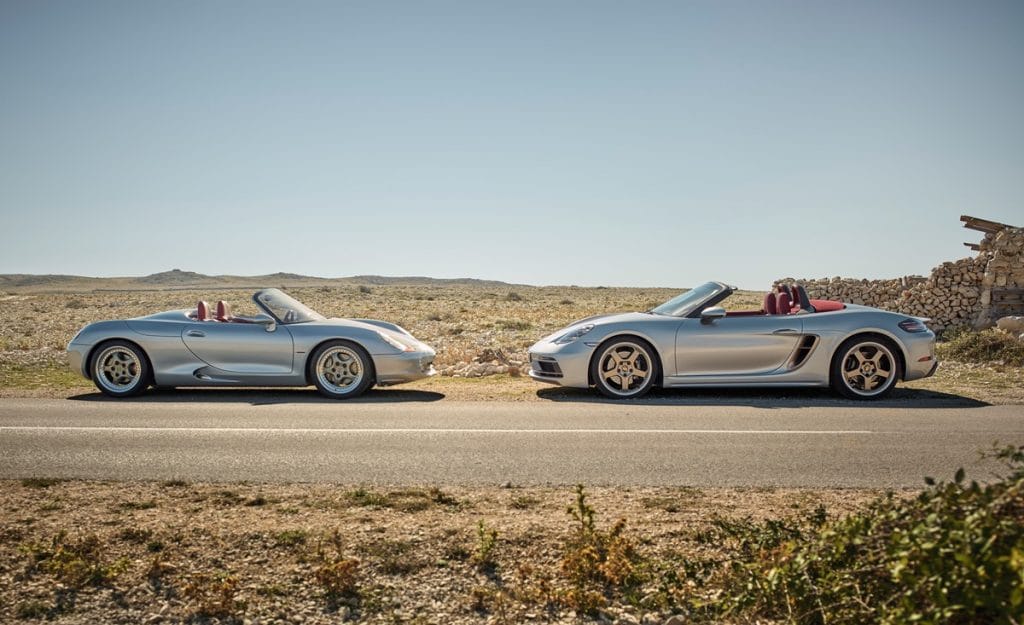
337,574
486,541
214,596
513,324
40,482
952,555
987,346
598,565
291,538
32,610
76,562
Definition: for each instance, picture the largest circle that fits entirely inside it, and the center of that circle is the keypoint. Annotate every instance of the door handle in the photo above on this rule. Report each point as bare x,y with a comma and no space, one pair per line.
785,331
195,333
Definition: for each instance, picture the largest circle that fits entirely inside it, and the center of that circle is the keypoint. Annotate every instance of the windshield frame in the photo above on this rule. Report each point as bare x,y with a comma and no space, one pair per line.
719,291
306,314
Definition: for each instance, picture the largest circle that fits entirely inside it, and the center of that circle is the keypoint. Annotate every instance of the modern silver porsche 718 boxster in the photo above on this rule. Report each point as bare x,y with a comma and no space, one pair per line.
692,341
287,344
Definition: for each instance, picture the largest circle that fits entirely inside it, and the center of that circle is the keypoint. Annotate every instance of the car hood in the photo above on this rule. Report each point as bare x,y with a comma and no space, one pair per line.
375,325
605,319
611,318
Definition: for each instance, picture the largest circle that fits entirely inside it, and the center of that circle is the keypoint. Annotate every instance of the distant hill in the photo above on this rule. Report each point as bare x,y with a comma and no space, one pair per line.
178,279
174,276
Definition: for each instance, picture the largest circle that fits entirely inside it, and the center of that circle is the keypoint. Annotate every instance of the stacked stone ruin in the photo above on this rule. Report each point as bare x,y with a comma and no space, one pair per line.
970,292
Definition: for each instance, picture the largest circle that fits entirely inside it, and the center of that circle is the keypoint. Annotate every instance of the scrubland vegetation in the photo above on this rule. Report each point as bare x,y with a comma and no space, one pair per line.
178,552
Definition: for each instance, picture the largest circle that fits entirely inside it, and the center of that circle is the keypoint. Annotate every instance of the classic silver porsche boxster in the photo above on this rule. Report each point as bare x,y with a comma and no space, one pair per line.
287,344
692,341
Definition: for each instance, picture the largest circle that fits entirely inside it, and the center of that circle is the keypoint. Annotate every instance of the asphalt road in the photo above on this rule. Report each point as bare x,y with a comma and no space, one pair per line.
396,438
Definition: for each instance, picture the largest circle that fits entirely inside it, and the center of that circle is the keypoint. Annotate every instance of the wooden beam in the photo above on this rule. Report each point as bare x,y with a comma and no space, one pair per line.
973,246
983,225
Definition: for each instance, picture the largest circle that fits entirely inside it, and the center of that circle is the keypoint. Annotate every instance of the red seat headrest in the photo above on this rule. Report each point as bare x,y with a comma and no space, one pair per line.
783,303
770,304
223,311
202,311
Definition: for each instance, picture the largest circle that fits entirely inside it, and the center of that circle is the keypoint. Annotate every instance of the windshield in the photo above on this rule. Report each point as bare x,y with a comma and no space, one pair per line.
285,308
685,303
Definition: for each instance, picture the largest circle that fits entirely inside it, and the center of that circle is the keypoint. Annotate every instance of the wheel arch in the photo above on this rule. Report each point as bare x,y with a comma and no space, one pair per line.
308,364
901,353
96,346
659,380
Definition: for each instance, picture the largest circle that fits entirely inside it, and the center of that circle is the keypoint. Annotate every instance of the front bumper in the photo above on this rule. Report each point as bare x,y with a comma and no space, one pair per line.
565,365
404,367
77,358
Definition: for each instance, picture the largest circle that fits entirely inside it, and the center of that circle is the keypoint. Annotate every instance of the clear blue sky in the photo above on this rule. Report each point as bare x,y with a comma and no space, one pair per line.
545,142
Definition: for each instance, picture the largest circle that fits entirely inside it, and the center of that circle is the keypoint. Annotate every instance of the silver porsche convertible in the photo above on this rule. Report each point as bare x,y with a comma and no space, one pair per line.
693,341
286,344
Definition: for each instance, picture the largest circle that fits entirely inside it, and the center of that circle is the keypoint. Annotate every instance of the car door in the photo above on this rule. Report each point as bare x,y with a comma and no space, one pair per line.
241,347
740,345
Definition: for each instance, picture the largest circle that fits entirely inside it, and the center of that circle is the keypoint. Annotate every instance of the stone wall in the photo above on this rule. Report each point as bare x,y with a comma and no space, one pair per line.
1005,270
957,294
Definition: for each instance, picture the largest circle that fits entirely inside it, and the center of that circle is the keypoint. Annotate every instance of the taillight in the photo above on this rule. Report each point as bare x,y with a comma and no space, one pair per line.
913,325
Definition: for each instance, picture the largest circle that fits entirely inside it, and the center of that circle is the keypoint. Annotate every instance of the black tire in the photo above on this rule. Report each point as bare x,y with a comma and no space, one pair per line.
857,364
640,358
120,369
352,373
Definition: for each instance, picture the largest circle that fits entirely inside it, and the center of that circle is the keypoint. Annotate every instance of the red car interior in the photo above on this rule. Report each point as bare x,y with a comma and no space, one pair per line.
223,313
786,301
202,311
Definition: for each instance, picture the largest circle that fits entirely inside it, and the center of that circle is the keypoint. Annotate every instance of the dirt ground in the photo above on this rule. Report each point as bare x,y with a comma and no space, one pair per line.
177,552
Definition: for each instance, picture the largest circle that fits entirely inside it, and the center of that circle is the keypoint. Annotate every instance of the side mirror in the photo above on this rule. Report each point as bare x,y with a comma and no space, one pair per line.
267,322
709,315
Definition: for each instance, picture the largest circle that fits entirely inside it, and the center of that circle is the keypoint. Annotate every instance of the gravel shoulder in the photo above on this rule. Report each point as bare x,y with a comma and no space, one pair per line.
176,552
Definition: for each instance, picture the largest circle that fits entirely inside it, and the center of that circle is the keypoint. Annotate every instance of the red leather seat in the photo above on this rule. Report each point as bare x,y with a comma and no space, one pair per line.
223,311
202,311
783,302
770,304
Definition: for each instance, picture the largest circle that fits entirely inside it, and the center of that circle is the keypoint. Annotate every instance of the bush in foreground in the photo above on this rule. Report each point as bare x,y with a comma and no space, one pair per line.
985,347
954,554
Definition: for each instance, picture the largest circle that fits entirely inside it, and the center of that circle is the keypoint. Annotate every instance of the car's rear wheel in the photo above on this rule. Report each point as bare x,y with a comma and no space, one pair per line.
624,368
341,369
119,369
865,367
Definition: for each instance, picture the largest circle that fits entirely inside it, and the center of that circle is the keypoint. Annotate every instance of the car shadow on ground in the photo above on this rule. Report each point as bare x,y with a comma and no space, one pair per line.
767,398
264,397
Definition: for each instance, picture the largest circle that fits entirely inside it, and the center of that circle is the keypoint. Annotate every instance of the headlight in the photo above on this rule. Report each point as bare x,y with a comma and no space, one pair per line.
571,336
393,342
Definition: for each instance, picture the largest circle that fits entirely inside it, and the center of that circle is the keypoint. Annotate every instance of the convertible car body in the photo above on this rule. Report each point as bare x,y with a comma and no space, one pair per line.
692,341
287,344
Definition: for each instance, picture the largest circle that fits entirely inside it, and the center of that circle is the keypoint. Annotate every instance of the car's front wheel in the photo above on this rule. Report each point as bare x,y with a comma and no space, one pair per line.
865,367
341,369
624,368
119,369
